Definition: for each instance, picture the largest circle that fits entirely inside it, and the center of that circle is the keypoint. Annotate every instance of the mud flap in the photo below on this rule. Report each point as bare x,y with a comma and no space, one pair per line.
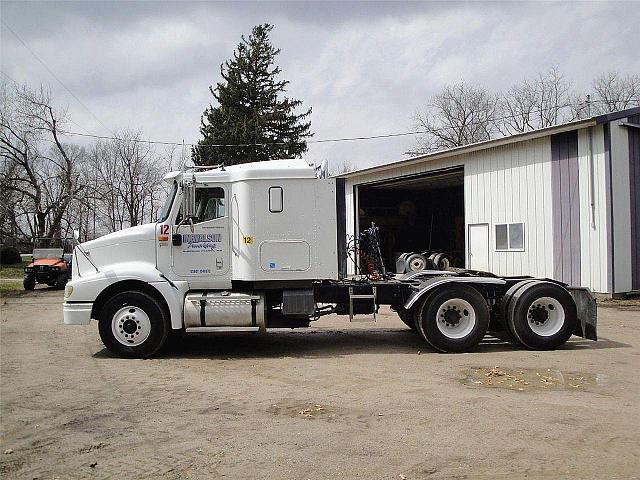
587,312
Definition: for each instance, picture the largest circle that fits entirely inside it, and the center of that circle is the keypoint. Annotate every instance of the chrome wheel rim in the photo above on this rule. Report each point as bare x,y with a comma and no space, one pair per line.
131,326
545,316
456,318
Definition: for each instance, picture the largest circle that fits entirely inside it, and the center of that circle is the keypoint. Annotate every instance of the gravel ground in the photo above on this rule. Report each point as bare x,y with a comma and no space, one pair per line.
337,400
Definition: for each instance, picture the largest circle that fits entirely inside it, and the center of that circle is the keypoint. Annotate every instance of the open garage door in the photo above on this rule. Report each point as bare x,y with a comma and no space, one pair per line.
422,213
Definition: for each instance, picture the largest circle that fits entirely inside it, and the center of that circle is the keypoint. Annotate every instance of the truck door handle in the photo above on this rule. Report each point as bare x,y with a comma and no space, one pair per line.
176,239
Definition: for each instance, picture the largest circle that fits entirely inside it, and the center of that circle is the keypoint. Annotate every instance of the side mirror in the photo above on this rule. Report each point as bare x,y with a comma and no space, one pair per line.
76,234
188,199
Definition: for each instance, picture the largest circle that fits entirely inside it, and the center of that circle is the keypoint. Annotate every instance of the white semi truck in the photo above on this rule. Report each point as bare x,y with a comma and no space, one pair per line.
252,247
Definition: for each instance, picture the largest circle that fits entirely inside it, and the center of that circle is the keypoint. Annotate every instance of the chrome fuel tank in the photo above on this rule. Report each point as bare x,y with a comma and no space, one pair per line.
223,309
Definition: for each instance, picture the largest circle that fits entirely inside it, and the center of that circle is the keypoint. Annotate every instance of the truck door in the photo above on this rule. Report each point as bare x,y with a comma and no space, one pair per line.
201,252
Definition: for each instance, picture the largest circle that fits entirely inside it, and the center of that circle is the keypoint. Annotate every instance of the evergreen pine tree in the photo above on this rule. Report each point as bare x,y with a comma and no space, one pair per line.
252,110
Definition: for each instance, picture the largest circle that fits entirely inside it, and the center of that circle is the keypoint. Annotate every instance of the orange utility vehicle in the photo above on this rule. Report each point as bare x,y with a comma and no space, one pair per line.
50,265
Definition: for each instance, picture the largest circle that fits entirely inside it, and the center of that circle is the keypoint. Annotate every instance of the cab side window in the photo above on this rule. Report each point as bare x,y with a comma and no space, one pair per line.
276,199
209,205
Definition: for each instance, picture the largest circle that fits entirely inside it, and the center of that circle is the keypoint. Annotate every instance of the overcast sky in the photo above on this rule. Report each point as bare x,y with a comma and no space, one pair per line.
365,68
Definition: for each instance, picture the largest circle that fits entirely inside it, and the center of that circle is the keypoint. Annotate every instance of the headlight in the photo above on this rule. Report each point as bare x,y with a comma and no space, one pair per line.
68,290
28,269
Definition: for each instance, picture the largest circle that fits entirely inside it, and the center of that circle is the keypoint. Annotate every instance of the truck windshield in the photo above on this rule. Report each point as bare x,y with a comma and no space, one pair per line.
164,211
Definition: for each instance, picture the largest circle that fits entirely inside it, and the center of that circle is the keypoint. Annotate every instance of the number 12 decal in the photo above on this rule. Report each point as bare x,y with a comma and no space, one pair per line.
164,229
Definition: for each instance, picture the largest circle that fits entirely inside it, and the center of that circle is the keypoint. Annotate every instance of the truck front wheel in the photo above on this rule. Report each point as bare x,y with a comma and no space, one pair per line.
133,325
453,319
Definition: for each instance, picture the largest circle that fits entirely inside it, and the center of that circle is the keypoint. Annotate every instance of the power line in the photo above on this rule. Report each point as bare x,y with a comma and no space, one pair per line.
7,75
53,75
66,119
326,140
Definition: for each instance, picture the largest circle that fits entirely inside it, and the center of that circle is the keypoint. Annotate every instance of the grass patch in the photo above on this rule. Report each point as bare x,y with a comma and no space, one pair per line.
11,287
13,271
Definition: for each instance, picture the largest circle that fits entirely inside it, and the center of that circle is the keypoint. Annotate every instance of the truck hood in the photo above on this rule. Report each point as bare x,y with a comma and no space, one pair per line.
121,237
131,244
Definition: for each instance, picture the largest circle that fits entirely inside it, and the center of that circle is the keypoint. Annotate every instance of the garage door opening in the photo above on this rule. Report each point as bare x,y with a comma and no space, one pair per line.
416,214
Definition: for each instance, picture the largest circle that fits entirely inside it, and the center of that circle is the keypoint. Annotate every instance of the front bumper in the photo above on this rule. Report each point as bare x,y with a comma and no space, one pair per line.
43,276
77,313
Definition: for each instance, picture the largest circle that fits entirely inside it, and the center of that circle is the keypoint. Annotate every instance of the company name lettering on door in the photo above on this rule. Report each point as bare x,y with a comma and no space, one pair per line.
202,242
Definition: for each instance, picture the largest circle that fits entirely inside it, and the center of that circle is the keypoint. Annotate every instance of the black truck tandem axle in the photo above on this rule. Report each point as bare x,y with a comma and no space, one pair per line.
453,310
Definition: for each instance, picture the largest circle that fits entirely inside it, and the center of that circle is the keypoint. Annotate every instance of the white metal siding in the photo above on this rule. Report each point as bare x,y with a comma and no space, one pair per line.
593,231
512,184
621,206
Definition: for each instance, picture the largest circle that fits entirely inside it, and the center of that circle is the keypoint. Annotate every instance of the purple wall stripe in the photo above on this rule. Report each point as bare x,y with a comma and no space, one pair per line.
566,207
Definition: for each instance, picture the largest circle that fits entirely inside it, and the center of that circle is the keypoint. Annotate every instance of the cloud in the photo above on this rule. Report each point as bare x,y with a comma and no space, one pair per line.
365,68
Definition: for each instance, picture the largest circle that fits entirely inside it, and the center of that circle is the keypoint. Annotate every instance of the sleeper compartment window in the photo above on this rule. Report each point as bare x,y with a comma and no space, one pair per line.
510,236
275,199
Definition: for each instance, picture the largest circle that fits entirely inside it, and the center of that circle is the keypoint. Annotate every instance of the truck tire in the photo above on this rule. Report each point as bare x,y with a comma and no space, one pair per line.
29,283
408,318
401,265
453,319
505,308
416,262
442,261
133,325
542,315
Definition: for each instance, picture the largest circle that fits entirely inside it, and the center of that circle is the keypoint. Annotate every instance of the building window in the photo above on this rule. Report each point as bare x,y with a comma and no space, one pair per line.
510,236
275,199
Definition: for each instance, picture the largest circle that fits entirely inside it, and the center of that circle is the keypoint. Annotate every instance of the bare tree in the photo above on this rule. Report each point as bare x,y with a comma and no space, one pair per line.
140,175
50,187
543,102
459,115
125,178
10,228
38,168
614,92
344,166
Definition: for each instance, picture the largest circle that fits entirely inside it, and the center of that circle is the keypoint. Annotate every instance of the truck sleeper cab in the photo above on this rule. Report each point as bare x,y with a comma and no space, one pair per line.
251,247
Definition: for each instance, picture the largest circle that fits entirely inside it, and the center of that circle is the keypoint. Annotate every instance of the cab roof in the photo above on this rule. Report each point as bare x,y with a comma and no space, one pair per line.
272,169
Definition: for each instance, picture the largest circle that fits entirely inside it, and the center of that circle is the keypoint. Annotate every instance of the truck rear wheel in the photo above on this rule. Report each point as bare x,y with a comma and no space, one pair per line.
453,319
408,318
133,325
542,316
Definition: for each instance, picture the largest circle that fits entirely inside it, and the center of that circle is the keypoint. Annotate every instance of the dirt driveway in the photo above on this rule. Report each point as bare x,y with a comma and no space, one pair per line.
334,401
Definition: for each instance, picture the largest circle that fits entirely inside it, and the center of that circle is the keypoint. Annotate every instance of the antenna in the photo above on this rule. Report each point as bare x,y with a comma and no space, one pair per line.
182,155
